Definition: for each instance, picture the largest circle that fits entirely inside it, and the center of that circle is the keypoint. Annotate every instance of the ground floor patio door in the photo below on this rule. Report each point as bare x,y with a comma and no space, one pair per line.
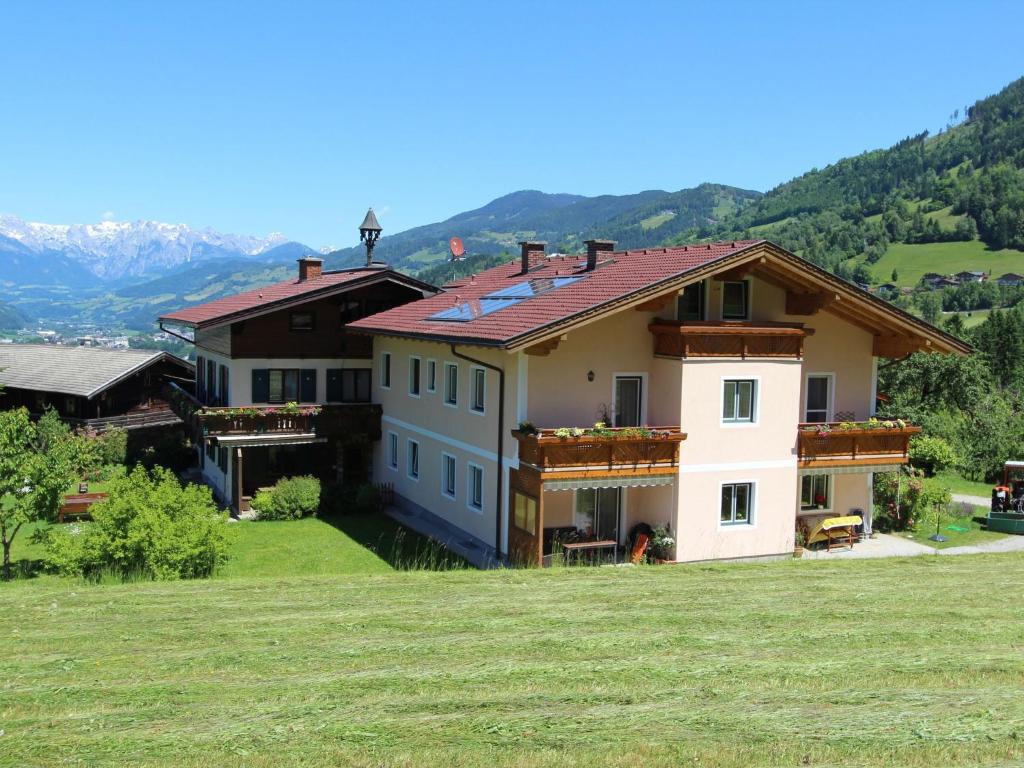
598,512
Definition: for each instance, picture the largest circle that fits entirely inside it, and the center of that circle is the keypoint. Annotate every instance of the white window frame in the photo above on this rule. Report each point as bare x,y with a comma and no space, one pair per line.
431,376
750,301
392,457
409,454
444,397
756,405
472,469
419,375
643,393
385,370
447,460
831,406
482,410
829,493
751,520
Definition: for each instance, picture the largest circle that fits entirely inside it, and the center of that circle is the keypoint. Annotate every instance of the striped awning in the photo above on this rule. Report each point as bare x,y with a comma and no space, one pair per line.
859,469
622,481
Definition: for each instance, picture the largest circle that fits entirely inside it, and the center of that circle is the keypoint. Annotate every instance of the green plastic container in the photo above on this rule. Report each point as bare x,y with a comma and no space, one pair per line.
1005,522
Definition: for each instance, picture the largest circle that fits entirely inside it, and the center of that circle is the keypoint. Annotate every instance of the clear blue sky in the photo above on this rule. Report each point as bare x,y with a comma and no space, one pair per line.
294,117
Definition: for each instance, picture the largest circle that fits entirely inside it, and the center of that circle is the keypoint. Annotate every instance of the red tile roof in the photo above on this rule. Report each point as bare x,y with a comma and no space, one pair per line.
283,293
618,275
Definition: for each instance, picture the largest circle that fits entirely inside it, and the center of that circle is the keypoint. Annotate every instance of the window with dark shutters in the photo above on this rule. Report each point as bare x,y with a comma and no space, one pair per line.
307,388
260,385
334,385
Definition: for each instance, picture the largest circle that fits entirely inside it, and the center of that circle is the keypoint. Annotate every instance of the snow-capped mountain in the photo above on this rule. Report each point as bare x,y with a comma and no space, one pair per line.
115,249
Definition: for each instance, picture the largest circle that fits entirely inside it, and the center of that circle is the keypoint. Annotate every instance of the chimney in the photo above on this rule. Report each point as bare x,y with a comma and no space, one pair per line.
310,268
594,247
530,247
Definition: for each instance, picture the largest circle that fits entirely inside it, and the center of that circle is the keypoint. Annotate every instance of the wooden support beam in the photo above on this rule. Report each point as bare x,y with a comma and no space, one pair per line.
544,348
898,346
808,303
656,304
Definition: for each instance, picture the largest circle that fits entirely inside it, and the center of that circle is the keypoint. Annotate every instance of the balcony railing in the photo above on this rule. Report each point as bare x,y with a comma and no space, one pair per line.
624,448
342,420
836,444
700,339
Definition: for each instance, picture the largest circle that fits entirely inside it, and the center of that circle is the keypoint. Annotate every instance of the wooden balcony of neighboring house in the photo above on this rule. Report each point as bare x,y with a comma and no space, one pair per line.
348,421
854,444
618,451
156,413
686,339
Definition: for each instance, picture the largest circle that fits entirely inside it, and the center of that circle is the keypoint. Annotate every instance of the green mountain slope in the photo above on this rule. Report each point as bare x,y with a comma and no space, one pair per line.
564,221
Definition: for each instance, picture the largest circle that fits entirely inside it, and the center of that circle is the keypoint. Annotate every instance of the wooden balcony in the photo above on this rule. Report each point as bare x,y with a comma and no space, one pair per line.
347,421
832,445
726,339
622,452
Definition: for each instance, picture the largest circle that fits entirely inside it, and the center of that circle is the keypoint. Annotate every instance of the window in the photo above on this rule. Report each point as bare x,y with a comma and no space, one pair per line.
736,300
211,450
629,392
392,450
739,401
414,376
223,386
201,379
283,385
478,393
475,488
431,375
690,304
819,399
815,492
448,475
451,384
351,311
301,321
737,504
211,382
348,385
413,459
222,459
385,370
524,514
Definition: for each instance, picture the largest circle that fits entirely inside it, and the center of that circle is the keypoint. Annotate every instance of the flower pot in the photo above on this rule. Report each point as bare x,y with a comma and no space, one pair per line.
798,551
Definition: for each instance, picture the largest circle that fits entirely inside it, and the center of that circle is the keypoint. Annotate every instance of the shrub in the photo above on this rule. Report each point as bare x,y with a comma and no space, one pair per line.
902,500
290,499
112,446
932,454
149,526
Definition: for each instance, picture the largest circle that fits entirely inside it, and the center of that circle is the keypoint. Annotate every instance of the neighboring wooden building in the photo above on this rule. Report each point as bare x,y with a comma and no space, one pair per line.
92,387
1011,280
281,387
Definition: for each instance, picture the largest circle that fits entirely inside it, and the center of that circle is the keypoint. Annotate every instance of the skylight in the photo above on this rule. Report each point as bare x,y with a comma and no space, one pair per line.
500,299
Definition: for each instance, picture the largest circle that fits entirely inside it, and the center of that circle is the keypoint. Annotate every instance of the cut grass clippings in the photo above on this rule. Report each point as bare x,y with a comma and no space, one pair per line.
897,662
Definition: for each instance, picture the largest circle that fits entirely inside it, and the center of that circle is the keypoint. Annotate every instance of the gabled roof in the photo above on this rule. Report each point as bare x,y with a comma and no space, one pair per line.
618,275
284,294
628,279
83,371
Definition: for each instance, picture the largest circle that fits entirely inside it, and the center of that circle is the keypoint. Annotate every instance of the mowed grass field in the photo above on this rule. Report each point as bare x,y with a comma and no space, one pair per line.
916,661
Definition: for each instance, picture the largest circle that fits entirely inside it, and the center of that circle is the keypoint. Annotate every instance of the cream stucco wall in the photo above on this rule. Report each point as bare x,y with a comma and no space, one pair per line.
440,428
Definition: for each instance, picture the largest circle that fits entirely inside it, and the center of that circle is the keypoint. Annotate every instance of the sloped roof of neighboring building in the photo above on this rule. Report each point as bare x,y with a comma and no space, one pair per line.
283,294
617,274
475,310
84,371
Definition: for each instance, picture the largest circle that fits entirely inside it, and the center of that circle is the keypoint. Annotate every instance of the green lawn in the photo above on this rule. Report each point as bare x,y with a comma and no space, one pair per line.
958,484
903,662
959,532
913,261
315,547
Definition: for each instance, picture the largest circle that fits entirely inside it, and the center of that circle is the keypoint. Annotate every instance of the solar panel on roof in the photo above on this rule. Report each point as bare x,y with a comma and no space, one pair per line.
501,299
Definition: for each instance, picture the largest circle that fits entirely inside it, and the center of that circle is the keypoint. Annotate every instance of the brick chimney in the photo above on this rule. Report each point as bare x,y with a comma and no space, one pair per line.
594,247
310,268
529,248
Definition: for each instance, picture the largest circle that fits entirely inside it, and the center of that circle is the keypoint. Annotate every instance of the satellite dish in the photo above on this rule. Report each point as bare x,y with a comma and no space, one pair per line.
456,247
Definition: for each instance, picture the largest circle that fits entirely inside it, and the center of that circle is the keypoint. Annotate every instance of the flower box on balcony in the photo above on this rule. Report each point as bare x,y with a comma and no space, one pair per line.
600,446
853,442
